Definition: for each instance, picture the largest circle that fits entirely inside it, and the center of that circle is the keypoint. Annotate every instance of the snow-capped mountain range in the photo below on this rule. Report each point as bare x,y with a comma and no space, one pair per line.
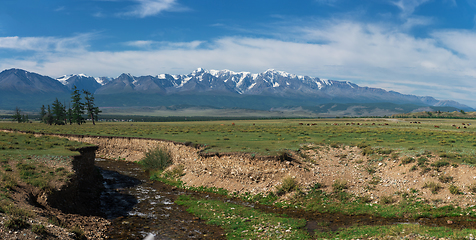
304,90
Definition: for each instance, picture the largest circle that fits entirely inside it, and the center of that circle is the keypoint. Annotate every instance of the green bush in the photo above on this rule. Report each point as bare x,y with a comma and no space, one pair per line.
434,187
454,190
16,224
408,160
387,200
339,185
39,229
288,184
78,233
156,159
445,179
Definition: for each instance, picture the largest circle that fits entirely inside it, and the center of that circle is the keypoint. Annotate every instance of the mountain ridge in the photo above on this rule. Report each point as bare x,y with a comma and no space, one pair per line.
271,83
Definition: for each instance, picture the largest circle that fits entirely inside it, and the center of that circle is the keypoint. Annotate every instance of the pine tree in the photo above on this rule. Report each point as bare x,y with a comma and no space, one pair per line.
42,113
93,111
58,113
78,107
48,118
17,116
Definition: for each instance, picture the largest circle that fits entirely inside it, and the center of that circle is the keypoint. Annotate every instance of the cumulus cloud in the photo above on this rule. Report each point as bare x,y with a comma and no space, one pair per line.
146,8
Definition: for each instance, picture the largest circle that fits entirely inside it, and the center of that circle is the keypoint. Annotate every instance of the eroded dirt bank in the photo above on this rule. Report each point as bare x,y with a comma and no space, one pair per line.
376,177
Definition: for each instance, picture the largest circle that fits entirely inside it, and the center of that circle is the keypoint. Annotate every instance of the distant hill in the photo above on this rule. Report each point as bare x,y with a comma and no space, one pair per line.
216,89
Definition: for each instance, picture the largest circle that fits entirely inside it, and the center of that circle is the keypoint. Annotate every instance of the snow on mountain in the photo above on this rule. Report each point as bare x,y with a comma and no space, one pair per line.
270,82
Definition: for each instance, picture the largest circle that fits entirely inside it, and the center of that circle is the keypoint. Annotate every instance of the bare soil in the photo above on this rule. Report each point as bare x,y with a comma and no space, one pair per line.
376,175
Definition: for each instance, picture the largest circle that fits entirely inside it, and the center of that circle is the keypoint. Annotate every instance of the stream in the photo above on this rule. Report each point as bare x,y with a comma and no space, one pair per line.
138,207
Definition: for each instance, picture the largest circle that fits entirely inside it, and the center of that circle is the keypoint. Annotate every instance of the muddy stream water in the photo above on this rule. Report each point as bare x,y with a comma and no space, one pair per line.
137,207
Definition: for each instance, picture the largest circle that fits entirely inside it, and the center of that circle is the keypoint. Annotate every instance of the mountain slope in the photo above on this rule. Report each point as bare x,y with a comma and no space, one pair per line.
24,82
214,88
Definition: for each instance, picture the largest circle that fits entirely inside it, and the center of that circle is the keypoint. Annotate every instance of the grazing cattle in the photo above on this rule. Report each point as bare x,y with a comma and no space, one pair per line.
314,124
301,124
453,125
457,127
437,126
462,123
335,124
464,127
386,124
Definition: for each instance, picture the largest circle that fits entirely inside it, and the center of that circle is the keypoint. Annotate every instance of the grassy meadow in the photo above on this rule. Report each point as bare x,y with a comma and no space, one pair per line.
452,139
270,137
42,162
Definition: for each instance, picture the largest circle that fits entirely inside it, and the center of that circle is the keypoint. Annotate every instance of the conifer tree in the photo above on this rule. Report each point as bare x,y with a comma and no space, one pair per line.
42,113
78,107
92,110
17,116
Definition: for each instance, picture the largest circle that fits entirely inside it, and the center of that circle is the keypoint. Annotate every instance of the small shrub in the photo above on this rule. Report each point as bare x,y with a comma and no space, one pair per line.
176,172
437,165
362,145
365,199
78,233
156,159
39,229
387,200
425,170
407,160
384,151
472,188
414,168
316,186
422,161
339,185
375,180
434,187
370,169
454,190
445,179
16,224
288,184
335,145
367,151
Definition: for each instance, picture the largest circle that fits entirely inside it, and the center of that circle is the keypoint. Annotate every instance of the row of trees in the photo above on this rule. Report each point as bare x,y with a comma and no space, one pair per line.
58,114
19,117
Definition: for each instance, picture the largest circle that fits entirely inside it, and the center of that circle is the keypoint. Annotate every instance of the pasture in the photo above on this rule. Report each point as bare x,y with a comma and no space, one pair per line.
451,138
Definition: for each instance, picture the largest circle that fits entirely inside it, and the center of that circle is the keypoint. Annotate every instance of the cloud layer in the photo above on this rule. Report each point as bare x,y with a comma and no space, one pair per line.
367,54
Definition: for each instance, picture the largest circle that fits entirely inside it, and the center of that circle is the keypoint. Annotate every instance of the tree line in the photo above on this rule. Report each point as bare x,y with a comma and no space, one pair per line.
58,114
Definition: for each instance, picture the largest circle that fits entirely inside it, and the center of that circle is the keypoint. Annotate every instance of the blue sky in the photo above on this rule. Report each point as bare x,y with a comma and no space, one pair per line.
421,47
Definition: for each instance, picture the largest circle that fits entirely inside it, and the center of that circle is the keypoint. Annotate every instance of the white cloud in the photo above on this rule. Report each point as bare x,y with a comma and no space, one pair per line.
441,66
146,8
408,6
44,44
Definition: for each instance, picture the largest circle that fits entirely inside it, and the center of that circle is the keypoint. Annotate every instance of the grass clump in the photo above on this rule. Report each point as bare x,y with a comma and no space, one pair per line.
156,159
288,184
445,178
407,160
16,223
339,185
434,187
454,190
39,229
387,200
78,233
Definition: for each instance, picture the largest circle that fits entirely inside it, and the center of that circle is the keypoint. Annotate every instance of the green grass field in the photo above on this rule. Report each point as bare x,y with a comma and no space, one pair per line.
265,137
269,137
